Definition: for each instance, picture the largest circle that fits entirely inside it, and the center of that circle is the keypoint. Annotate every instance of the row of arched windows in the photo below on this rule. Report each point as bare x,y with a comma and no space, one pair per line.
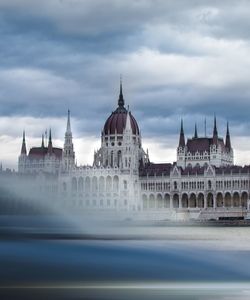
94,185
195,201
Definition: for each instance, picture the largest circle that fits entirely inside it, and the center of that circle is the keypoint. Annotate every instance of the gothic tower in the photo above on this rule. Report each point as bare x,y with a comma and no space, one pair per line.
68,150
23,155
181,149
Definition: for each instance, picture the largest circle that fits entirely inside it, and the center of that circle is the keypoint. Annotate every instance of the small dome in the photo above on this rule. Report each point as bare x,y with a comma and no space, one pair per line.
116,122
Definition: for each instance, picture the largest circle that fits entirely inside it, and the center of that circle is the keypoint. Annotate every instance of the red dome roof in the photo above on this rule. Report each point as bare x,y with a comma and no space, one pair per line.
116,122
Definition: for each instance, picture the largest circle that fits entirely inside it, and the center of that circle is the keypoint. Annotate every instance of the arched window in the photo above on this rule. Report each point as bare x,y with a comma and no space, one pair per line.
125,184
175,185
74,185
209,184
94,185
108,184
80,185
101,184
87,184
116,184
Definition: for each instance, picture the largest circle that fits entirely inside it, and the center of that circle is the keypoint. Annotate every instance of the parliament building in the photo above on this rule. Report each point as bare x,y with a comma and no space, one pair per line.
203,183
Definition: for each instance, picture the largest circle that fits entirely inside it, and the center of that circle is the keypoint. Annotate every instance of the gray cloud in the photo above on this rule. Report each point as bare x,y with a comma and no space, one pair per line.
185,59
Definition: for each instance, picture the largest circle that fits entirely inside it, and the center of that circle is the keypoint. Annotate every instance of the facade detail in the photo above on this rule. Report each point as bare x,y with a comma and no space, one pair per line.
201,151
40,159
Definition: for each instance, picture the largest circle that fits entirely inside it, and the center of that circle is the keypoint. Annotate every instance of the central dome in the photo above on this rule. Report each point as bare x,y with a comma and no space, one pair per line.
116,122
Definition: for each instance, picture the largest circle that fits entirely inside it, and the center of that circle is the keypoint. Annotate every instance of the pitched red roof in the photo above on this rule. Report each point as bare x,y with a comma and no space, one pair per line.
40,152
152,169
202,144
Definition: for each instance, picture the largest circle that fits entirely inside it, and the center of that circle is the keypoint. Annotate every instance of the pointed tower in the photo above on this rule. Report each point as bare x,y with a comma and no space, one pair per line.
195,132
42,141
23,156
181,150
68,149
182,136
121,101
215,132
130,159
228,140
128,127
23,149
50,147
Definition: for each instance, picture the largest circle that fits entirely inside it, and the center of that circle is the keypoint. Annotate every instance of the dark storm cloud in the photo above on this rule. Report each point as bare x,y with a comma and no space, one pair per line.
179,59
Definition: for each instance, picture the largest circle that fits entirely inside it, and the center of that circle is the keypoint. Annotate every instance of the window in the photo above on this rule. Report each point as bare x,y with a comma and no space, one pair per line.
125,184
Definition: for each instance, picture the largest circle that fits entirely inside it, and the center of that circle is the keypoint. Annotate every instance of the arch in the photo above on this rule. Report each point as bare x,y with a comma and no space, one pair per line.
210,200
125,184
228,200
209,184
144,201
87,184
80,185
184,200
175,185
166,201
236,199
219,200
116,184
94,185
108,184
192,200
101,184
200,200
244,198
119,158
159,201
74,185
176,201
151,201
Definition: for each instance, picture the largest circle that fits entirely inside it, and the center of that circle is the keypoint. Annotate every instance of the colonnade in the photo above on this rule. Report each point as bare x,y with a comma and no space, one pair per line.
193,200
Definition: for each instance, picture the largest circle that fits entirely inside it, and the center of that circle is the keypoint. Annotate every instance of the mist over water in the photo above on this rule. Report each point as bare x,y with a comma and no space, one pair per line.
48,251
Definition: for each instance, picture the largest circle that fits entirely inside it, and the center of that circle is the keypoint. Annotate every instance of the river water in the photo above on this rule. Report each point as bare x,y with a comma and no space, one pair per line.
122,261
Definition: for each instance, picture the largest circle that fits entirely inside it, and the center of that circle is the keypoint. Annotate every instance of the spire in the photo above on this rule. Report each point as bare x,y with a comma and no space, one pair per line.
195,132
215,132
228,140
42,141
182,136
121,100
23,150
50,147
68,123
128,122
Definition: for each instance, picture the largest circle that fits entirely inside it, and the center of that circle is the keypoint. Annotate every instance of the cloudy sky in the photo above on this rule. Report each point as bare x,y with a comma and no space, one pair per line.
186,59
